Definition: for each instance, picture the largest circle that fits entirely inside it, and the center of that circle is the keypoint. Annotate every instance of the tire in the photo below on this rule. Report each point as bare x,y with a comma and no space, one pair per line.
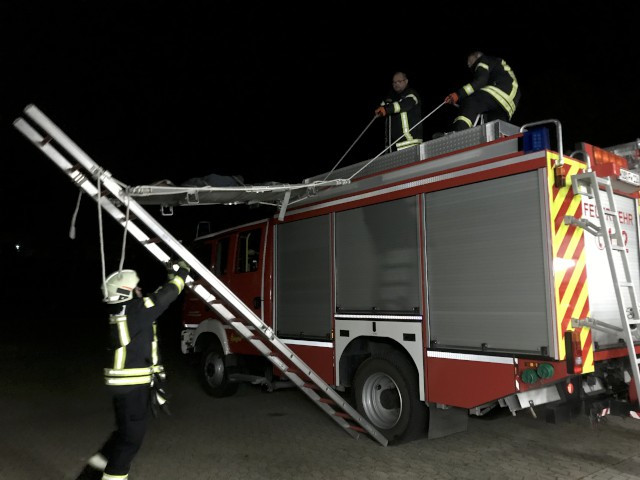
214,375
386,393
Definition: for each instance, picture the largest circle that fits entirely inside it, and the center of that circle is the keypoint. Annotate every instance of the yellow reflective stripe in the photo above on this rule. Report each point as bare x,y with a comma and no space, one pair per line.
408,143
127,372
404,118
158,369
463,119
123,334
502,98
154,352
128,380
113,319
148,303
514,85
483,65
120,354
412,96
119,358
396,107
106,476
468,89
178,282
154,345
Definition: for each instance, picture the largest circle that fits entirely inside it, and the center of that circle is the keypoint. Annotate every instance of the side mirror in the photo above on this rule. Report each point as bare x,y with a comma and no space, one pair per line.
203,228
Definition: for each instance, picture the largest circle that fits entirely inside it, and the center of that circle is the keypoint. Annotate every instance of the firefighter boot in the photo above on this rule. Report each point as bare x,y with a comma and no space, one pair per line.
90,473
94,468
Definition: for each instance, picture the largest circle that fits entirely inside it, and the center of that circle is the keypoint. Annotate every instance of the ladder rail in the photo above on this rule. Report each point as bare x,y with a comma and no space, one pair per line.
622,249
604,233
594,190
218,287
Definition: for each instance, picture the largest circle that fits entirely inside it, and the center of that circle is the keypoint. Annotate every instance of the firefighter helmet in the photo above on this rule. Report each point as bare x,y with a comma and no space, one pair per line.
120,286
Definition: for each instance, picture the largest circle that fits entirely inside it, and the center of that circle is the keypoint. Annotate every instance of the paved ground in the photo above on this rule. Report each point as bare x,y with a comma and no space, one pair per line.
54,414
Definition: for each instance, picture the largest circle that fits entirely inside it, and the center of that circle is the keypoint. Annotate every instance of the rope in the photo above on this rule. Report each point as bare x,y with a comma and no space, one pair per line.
349,149
72,229
396,141
101,234
124,235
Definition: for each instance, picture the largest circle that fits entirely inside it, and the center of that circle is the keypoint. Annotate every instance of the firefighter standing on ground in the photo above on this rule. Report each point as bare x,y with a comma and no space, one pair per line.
135,375
493,91
402,110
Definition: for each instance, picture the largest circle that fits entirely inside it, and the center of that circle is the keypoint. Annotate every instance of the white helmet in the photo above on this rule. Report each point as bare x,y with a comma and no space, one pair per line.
120,286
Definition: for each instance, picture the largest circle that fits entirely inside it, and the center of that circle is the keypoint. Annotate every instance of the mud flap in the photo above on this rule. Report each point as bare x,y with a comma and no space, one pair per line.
443,422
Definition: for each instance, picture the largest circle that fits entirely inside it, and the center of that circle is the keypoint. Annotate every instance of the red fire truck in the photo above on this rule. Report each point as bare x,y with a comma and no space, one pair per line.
474,271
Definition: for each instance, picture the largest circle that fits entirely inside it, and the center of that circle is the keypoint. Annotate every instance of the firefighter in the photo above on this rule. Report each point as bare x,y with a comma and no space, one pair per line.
402,110
494,91
134,376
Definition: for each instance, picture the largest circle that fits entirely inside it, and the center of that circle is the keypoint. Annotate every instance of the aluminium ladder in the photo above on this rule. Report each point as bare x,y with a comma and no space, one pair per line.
588,184
209,288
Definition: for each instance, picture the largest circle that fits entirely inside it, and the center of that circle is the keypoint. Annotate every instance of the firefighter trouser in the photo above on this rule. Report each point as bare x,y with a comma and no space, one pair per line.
131,412
478,103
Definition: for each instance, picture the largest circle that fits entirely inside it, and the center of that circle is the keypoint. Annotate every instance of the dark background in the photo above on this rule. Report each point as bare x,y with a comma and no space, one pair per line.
155,90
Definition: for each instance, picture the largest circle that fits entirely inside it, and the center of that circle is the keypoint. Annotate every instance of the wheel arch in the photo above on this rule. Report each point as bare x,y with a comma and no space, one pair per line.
208,331
364,347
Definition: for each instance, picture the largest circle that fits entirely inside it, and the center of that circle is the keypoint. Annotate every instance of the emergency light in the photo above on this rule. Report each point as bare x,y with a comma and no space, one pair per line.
536,139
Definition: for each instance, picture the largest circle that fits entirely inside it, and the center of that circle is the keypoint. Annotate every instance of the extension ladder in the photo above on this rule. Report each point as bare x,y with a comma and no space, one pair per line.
91,178
588,184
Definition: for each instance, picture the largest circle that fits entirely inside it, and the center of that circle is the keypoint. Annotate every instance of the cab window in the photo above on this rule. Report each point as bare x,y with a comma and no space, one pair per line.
222,255
248,252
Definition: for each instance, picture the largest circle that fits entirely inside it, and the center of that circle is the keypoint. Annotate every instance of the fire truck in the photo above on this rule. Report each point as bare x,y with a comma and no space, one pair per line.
483,269
467,273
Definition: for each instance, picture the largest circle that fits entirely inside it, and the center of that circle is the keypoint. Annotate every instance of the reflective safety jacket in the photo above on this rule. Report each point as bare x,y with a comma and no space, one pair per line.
133,340
494,76
404,110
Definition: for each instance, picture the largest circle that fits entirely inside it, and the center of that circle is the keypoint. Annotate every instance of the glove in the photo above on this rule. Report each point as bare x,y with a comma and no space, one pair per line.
183,264
381,112
170,272
452,98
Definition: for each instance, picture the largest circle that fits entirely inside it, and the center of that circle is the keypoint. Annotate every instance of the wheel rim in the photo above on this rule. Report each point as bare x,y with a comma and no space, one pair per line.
381,401
214,369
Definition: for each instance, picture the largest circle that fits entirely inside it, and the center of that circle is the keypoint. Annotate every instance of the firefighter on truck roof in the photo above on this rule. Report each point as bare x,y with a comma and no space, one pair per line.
402,109
135,376
494,91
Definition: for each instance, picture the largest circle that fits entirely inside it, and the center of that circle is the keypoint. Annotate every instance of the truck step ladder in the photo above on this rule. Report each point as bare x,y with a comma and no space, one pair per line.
91,178
588,184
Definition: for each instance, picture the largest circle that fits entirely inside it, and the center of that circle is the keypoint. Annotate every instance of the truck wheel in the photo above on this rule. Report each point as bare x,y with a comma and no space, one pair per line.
214,374
386,390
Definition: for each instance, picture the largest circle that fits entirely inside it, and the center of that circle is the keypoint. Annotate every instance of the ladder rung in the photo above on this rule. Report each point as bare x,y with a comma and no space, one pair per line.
151,240
357,428
625,284
603,181
312,386
328,401
611,213
618,248
296,371
633,321
242,328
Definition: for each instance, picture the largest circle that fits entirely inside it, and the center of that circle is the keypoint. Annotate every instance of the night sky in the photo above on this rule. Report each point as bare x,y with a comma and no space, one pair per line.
159,90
